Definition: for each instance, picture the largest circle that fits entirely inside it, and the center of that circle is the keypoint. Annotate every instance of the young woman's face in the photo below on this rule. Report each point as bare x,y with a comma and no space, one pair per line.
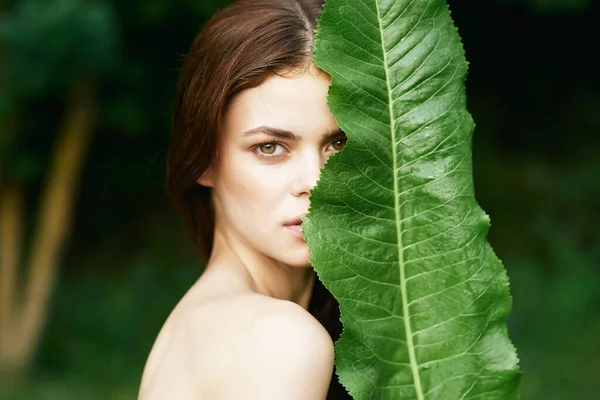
275,139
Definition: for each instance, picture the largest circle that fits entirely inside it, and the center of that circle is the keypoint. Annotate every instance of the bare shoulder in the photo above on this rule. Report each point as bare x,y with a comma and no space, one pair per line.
217,334
270,348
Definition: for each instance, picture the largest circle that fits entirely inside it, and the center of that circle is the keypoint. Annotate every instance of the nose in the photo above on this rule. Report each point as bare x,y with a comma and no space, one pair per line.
307,171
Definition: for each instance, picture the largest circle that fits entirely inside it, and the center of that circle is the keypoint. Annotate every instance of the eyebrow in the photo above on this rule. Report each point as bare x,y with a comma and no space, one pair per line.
285,134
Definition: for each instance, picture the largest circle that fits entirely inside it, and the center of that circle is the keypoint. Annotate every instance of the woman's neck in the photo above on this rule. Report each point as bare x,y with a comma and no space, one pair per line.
263,274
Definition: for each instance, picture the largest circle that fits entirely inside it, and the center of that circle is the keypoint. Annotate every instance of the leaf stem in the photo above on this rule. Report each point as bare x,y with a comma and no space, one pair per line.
405,311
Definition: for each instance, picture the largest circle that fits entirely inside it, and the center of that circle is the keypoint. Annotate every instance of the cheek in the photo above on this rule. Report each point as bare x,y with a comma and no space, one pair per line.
254,190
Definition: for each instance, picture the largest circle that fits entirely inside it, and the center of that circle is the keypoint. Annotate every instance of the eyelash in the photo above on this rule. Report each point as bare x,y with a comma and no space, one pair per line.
266,156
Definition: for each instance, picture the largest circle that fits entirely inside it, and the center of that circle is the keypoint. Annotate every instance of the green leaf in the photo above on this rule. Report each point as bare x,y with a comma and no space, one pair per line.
394,230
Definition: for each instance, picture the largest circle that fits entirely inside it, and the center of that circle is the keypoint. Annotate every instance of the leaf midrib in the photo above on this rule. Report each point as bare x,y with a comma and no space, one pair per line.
407,326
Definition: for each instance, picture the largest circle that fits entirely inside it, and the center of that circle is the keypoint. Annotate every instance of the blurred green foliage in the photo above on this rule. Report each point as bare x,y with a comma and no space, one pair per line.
47,42
555,6
533,89
47,45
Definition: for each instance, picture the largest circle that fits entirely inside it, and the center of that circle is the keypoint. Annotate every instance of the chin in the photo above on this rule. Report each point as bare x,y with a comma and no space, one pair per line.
290,251
303,264
298,259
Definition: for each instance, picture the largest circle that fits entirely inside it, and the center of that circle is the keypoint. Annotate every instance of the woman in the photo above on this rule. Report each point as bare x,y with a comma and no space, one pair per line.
251,131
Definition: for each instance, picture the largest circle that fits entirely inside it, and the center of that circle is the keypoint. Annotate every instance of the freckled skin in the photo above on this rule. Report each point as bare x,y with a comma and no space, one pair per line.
258,270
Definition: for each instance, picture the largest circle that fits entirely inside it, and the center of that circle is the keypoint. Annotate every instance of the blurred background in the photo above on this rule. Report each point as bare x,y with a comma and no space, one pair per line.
92,257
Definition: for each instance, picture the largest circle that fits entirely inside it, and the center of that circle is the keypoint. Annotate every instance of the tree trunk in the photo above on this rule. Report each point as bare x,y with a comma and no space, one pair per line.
11,224
10,235
56,204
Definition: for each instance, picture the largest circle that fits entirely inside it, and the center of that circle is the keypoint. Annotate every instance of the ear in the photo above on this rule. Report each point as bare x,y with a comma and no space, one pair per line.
207,179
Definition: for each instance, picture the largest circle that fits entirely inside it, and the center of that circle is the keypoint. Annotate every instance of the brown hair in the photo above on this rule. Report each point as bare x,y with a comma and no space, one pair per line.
239,48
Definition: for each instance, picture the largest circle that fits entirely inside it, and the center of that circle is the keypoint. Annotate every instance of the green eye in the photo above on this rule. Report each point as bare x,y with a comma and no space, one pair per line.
267,148
339,144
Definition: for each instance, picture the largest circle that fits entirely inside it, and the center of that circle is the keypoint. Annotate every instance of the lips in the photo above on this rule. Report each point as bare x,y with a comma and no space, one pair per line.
296,221
294,226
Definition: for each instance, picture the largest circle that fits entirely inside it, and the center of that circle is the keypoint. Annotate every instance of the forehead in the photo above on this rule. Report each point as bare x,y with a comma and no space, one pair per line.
295,102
